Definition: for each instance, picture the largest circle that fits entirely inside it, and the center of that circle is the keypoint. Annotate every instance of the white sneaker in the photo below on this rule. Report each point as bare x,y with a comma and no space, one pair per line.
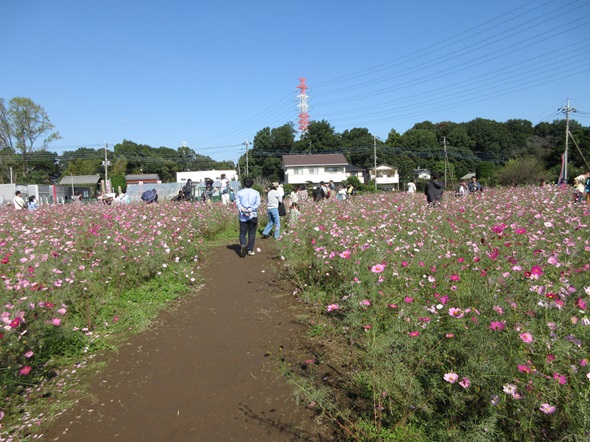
251,253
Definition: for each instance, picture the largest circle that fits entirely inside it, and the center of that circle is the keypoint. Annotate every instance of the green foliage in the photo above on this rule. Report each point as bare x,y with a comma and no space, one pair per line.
485,170
522,171
415,295
22,123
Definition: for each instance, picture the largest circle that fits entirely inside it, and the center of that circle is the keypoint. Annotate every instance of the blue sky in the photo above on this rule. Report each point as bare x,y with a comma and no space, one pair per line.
212,74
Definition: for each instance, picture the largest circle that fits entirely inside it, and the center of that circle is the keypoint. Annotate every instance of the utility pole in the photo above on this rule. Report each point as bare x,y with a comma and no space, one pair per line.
375,158
106,170
566,110
247,143
446,158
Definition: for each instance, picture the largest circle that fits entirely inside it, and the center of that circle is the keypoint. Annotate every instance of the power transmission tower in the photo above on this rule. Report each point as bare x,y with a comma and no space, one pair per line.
566,110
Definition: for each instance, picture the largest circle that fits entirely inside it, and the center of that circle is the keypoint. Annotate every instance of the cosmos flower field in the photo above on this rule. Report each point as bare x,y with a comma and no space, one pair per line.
467,321
69,278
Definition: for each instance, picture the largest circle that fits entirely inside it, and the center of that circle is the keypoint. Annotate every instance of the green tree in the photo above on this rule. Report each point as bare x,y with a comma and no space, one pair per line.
357,144
519,171
22,123
492,141
455,134
419,138
320,137
393,138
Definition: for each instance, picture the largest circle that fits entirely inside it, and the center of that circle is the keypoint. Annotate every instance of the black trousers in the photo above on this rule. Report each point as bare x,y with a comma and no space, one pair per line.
248,228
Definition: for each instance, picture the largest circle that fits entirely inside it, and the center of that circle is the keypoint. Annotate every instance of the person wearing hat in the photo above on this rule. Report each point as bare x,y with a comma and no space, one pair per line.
273,198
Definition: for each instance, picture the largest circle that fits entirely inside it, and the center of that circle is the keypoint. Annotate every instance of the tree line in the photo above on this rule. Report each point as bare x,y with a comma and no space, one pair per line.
490,148
493,149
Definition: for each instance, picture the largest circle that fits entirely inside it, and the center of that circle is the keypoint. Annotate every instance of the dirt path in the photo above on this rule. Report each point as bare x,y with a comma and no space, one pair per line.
202,372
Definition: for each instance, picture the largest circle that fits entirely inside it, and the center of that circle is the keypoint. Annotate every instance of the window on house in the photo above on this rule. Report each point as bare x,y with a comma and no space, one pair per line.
297,171
333,169
314,170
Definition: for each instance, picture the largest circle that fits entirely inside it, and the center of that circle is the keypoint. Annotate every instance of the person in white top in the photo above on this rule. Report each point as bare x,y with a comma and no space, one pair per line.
224,190
19,203
411,187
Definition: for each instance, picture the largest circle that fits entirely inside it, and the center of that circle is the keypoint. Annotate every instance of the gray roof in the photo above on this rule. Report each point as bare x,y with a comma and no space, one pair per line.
324,159
351,168
142,177
79,179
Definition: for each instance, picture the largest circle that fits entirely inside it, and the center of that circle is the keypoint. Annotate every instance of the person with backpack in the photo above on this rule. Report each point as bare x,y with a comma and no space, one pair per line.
319,193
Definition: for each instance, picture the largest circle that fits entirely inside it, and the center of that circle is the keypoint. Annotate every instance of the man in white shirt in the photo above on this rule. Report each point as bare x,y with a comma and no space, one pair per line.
19,203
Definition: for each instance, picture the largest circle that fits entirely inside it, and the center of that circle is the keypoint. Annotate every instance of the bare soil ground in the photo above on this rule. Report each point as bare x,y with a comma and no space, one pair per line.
207,369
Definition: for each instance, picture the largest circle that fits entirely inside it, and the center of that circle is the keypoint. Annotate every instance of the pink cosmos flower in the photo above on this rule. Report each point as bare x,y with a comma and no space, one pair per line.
365,302
451,377
497,325
404,263
29,354
520,231
560,378
345,254
498,309
553,260
509,389
547,409
332,307
413,334
456,312
408,299
581,304
391,305
455,277
377,268
25,370
527,338
56,321
536,272
465,382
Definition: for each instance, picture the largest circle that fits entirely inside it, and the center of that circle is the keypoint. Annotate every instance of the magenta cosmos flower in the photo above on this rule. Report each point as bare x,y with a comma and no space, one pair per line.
547,409
497,325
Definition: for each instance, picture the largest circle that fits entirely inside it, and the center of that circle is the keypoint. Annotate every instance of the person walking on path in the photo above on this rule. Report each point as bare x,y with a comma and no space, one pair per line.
273,199
434,190
248,202
19,202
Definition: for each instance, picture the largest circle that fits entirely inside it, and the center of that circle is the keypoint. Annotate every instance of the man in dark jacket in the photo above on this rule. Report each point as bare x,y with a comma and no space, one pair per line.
434,189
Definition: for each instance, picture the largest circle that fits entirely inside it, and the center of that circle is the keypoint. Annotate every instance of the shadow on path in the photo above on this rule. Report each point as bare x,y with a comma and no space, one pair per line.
200,373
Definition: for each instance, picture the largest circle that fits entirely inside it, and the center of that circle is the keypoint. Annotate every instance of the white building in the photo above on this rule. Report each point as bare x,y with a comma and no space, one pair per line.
387,176
300,169
199,176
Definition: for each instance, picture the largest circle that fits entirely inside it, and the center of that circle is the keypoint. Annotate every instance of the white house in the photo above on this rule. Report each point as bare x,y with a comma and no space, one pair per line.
200,175
387,176
300,169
